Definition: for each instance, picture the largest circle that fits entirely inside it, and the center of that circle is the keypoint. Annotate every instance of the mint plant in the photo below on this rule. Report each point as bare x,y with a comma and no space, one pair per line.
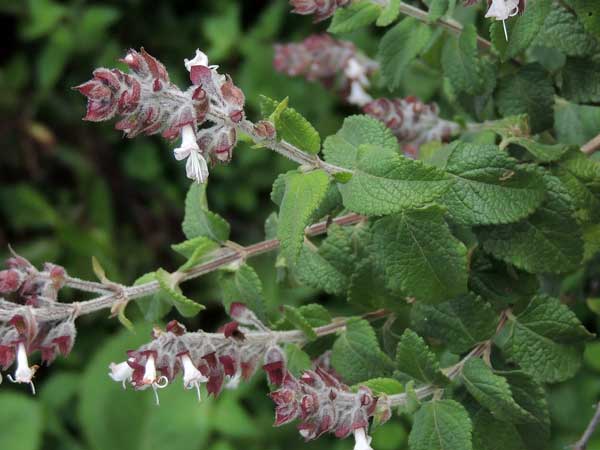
444,226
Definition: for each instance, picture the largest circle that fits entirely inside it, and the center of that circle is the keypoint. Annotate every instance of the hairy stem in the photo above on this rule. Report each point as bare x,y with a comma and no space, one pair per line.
282,147
591,146
222,257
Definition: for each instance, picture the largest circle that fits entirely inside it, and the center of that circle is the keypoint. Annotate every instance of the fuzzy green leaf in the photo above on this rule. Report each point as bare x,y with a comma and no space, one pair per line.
356,354
341,149
461,323
194,249
185,306
154,307
315,271
399,47
198,220
581,80
303,195
297,360
437,9
389,13
392,183
441,425
545,340
297,320
291,126
550,240
490,186
461,62
415,359
529,91
421,256
544,153
493,392
243,285
388,386
354,16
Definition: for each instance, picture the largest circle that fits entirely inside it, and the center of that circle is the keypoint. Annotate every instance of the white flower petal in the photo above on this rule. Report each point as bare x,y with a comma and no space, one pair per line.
362,440
502,9
358,96
200,59
196,168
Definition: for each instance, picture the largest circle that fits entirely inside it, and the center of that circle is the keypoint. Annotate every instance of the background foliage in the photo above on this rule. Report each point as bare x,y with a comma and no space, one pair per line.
73,189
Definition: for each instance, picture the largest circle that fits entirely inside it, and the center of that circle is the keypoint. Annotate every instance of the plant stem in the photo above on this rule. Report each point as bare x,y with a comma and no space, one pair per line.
589,431
592,146
448,23
280,146
222,257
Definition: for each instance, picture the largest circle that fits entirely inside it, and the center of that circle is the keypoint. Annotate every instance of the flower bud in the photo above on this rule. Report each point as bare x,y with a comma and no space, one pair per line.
10,280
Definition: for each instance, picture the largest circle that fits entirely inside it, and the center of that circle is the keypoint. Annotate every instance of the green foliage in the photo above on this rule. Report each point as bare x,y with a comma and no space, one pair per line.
421,256
414,359
545,340
291,126
304,192
198,220
356,354
490,188
389,183
461,323
23,417
399,47
185,306
242,284
461,62
353,17
440,425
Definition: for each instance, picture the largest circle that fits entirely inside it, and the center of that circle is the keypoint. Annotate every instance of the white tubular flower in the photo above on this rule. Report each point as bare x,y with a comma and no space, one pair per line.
192,377
121,372
234,381
196,168
502,10
362,440
356,71
150,378
358,96
23,373
199,59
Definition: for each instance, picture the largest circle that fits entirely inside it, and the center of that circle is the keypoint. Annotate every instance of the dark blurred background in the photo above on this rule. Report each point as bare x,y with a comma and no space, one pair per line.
73,189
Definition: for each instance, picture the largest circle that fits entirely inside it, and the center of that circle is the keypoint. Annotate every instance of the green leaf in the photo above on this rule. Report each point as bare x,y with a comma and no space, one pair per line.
544,153
389,13
242,285
298,322
461,62
563,31
317,272
490,188
198,220
545,340
421,256
303,195
368,290
291,126
550,240
22,421
437,9
441,425
529,91
522,29
392,183
155,306
185,306
341,247
415,359
316,315
389,386
341,149
356,354
531,396
399,47
490,433
53,58
576,124
461,323
493,392
500,283
587,11
194,249
297,360
581,80
354,16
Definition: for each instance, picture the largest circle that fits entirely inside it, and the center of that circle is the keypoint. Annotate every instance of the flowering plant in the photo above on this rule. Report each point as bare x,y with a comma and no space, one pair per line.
443,225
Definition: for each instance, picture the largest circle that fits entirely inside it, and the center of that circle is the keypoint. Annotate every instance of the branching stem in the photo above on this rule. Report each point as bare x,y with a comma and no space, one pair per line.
589,431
